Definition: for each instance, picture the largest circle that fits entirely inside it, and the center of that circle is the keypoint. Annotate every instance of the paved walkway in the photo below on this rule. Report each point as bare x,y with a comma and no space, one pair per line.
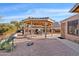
44,47
71,44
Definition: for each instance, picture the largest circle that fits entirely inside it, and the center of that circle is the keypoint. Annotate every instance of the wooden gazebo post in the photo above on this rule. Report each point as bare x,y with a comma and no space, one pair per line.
31,29
45,29
24,30
51,29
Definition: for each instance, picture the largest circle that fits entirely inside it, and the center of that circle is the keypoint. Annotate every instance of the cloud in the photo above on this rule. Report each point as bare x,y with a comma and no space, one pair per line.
14,17
13,8
57,14
48,12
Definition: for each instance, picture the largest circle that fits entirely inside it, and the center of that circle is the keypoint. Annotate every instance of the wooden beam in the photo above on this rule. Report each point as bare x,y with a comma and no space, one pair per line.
45,29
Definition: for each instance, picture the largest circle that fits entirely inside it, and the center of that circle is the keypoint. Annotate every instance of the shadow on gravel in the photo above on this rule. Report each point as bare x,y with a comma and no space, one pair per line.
60,37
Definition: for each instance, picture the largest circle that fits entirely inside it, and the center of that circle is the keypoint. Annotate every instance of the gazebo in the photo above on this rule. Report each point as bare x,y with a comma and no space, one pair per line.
38,25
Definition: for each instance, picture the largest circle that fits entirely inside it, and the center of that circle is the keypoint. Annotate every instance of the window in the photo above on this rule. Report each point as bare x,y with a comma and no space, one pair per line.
73,27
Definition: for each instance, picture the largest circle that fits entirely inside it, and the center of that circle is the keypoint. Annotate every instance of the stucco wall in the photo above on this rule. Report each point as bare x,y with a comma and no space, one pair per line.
71,37
68,36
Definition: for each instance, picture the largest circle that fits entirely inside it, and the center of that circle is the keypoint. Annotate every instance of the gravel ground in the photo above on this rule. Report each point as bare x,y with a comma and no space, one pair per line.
43,47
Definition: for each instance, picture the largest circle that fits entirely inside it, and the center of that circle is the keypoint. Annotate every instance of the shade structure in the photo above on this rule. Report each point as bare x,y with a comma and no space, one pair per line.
39,22
44,23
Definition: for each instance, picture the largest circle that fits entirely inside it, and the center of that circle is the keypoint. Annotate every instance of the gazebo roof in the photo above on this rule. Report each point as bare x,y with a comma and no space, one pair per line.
39,19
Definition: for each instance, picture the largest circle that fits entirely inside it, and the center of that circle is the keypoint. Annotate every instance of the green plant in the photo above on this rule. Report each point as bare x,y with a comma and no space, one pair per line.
6,45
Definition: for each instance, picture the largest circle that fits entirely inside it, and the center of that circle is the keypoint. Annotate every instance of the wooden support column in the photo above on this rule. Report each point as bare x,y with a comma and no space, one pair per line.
27,29
51,29
45,29
31,29
24,30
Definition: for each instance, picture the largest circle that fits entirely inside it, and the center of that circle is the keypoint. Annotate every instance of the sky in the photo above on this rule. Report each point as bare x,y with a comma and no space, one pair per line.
20,11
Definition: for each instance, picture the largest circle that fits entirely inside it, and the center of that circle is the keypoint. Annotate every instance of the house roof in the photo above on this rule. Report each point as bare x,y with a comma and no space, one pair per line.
70,17
74,9
76,6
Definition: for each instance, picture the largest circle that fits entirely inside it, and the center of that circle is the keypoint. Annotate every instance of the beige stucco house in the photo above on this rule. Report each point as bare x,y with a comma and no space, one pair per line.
70,26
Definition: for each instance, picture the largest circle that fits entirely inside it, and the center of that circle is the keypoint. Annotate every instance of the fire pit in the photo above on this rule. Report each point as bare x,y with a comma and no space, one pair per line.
29,43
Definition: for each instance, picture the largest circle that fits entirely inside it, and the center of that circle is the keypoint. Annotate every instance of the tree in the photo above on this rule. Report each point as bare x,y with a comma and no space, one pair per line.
3,28
16,23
